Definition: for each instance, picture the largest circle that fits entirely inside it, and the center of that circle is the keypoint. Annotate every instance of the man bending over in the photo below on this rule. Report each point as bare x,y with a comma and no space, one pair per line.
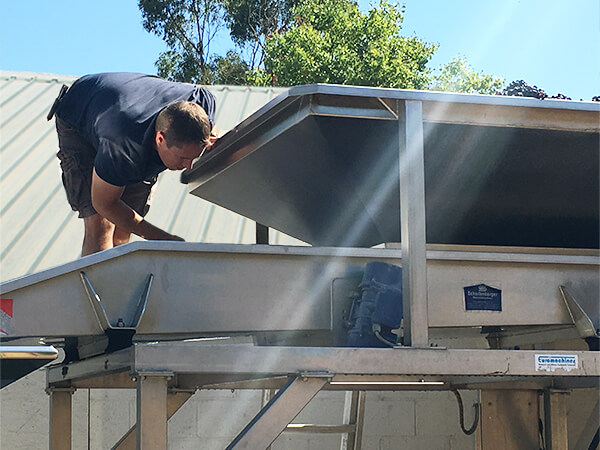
116,133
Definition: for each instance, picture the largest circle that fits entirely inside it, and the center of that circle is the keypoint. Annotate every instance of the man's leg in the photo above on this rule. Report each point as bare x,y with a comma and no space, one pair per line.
120,236
76,157
98,234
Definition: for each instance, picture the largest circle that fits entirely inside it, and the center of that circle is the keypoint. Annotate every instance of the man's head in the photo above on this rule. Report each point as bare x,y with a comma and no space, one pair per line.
182,133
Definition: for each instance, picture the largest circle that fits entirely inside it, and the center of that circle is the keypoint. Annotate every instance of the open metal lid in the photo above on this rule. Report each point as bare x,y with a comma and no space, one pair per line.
320,163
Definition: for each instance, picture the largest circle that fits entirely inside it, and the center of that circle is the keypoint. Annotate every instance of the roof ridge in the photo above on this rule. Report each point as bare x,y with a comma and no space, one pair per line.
50,77
47,77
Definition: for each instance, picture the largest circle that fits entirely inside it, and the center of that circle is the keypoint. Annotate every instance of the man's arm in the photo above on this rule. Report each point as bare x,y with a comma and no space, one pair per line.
106,199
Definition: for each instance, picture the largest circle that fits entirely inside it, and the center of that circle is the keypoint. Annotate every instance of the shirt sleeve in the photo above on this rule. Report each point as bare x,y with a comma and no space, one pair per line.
111,164
207,100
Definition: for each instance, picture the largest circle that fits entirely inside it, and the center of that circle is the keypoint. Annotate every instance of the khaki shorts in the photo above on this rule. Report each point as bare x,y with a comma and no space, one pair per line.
76,157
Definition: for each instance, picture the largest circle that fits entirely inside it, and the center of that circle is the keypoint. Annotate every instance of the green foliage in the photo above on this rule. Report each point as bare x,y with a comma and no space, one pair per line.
250,22
230,69
188,27
332,41
458,76
291,42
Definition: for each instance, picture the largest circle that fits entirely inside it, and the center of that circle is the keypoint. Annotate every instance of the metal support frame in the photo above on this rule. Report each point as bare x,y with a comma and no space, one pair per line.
175,400
508,419
510,373
354,415
412,224
262,234
274,417
60,418
555,413
152,411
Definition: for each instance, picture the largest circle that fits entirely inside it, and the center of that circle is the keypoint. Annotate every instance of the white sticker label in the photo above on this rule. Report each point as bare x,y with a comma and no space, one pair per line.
549,363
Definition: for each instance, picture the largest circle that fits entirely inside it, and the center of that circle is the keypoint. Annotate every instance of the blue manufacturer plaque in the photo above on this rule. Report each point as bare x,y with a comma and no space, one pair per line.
482,297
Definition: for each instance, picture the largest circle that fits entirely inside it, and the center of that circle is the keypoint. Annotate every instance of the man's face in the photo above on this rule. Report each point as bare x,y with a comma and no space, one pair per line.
177,157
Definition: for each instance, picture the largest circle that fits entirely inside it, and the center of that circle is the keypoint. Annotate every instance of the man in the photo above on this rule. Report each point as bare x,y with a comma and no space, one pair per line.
116,133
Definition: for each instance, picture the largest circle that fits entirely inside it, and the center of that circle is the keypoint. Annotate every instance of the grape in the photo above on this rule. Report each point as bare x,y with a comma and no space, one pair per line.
520,88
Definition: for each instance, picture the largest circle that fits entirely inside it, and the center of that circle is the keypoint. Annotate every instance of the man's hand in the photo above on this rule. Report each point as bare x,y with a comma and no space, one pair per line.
106,199
214,137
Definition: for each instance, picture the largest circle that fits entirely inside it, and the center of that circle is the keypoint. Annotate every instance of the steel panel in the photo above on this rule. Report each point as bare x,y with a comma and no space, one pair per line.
319,162
218,289
237,359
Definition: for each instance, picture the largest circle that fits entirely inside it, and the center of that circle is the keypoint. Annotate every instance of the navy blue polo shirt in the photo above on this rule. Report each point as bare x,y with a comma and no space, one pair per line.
116,113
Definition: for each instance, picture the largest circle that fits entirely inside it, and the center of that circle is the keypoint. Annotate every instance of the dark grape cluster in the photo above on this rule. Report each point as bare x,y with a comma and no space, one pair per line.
520,88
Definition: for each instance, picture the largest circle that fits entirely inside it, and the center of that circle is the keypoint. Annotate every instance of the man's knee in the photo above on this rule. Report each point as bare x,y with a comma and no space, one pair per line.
120,236
97,227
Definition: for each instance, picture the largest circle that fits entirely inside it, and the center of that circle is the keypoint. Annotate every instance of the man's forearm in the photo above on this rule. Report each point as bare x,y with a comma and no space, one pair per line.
127,219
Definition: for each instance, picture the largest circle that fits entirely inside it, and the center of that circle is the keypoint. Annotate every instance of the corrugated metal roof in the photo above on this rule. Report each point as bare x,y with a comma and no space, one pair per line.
37,227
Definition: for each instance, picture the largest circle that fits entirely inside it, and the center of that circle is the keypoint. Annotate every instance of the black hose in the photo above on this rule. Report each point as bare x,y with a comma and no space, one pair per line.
461,415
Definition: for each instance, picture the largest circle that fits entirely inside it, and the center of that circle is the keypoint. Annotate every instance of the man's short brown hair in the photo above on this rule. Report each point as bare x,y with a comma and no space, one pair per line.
184,123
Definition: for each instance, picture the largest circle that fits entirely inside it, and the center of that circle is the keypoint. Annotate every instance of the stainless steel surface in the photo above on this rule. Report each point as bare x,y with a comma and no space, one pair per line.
42,352
555,413
354,361
175,400
412,224
318,163
16,361
273,418
151,430
100,366
203,289
582,318
60,418
354,415
242,366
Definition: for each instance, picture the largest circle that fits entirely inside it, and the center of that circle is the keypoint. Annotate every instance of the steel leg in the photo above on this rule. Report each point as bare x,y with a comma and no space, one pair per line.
509,419
151,412
174,402
555,412
412,224
354,414
278,413
60,418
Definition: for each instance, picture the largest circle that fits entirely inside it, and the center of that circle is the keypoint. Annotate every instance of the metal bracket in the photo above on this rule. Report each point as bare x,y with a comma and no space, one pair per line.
582,321
119,335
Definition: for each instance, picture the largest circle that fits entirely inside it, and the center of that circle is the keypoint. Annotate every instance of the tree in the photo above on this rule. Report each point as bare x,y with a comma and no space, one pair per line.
458,76
230,69
251,22
188,27
332,41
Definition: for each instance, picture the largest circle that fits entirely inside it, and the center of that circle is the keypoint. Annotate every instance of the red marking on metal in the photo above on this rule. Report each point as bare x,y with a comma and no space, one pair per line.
6,305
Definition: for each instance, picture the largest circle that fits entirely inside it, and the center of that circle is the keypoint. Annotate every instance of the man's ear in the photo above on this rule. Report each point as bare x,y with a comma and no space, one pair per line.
159,139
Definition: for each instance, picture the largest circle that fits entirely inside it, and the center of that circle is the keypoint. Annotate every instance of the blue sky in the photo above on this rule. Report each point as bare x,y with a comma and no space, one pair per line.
550,43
